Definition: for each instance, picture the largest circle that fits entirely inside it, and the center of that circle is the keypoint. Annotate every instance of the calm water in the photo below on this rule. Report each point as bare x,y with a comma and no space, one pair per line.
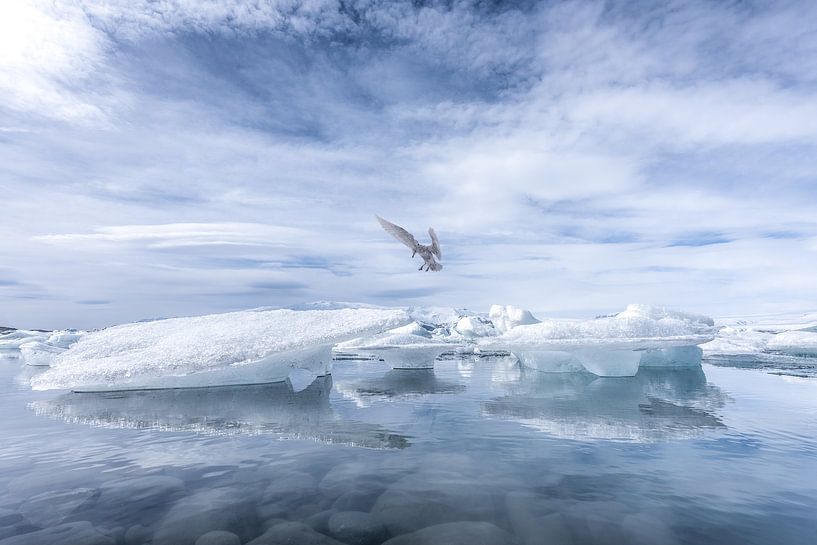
715,455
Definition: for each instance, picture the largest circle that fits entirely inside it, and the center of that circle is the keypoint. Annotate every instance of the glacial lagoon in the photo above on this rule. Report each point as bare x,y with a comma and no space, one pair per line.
477,450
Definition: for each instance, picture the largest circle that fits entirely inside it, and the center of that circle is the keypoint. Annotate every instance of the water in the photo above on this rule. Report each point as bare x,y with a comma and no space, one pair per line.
713,455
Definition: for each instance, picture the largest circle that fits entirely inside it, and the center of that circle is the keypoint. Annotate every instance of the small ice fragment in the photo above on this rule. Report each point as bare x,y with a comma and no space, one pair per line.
300,379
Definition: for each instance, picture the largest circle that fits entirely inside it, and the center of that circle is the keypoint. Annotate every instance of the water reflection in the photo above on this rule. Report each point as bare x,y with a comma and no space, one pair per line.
397,383
654,405
228,410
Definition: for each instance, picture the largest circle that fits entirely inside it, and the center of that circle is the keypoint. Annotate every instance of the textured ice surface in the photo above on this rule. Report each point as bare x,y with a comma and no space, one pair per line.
474,327
630,327
231,348
505,317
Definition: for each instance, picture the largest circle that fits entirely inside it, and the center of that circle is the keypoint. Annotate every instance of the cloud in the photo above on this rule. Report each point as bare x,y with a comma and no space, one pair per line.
174,157
179,235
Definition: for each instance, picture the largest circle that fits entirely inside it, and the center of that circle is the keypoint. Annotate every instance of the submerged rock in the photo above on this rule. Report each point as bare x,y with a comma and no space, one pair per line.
72,533
218,537
146,496
456,533
293,533
430,498
216,509
357,528
51,508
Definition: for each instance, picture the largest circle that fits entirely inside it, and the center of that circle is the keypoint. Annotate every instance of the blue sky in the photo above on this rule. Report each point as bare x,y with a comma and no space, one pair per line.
175,157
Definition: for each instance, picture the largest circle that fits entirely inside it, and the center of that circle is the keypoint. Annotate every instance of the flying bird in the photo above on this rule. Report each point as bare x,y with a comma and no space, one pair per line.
427,252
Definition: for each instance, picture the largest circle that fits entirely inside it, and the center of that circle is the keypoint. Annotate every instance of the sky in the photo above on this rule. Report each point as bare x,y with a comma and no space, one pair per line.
176,157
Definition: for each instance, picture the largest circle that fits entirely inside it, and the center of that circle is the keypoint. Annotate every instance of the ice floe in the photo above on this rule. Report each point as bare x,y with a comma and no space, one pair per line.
269,345
611,345
231,348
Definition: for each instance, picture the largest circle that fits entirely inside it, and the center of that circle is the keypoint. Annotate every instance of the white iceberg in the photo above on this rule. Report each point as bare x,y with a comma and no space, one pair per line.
256,346
608,346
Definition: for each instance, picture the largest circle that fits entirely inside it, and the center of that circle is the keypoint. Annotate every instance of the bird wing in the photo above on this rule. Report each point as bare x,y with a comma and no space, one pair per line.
399,233
435,243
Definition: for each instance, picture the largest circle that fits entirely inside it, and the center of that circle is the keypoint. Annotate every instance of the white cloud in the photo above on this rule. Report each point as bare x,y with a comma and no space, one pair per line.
180,157
49,48
182,234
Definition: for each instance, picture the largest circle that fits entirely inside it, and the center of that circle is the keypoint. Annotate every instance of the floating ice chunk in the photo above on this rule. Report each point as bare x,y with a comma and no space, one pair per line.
507,317
232,348
606,346
299,379
794,343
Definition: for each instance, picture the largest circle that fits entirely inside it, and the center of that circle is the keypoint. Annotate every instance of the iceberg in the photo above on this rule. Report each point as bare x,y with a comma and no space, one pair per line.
608,346
255,346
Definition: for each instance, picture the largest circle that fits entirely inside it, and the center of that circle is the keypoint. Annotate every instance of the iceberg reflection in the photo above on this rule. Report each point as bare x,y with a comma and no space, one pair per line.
397,383
654,405
225,410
